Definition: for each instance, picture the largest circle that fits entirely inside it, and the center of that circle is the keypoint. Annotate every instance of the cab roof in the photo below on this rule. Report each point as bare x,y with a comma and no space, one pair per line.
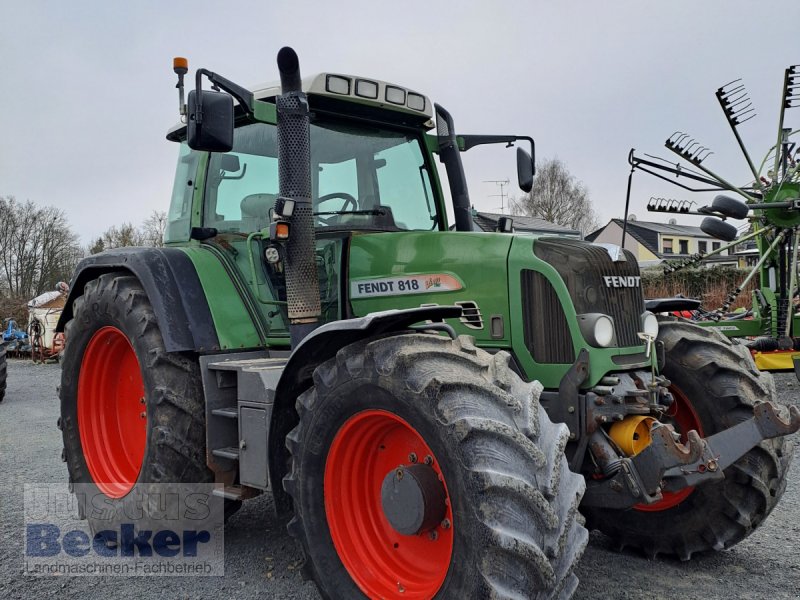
367,91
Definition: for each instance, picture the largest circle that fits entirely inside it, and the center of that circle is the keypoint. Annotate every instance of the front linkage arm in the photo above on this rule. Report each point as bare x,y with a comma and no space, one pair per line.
668,465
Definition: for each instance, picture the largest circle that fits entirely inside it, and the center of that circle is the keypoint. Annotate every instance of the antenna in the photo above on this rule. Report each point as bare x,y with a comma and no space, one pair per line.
502,183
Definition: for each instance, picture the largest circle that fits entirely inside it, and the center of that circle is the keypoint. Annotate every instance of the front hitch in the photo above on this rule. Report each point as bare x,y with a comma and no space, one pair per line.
669,465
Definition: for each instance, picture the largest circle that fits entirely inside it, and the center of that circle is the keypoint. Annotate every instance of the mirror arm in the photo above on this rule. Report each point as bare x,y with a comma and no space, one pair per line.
465,142
244,97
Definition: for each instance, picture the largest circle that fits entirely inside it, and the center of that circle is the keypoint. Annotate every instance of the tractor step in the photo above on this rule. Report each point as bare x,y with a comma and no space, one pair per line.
229,453
229,493
240,391
228,413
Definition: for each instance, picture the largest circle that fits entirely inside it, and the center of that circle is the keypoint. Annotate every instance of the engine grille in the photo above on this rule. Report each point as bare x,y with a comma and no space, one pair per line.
545,326
583,267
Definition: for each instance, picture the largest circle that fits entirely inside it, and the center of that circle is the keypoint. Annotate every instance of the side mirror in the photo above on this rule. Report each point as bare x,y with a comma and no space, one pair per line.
505,225
210,122
525,170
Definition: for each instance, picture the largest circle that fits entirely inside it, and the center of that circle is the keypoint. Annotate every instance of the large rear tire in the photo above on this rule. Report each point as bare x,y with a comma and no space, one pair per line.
3,372
715,384
132,414
417,403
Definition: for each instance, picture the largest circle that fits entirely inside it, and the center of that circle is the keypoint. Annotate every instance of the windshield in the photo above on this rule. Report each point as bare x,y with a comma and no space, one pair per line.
363,177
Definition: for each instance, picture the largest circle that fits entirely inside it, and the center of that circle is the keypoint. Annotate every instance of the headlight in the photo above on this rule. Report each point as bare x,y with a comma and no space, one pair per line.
597,328
649,324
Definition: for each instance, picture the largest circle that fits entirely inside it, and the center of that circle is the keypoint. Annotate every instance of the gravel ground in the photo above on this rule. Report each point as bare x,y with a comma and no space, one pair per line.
261,560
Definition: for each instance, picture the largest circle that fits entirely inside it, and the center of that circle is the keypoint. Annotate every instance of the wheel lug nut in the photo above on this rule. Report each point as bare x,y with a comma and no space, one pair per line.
433,535
428,460
412,458
143,415
399,474
446,524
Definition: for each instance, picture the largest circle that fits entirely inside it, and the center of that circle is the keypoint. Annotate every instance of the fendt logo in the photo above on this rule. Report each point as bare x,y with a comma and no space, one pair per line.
622,281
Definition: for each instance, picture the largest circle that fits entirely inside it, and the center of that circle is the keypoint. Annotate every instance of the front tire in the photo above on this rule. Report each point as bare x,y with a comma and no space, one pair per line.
132,414
509,525
715,384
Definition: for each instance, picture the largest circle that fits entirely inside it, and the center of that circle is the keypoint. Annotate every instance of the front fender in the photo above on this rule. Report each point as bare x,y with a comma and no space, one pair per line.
320,345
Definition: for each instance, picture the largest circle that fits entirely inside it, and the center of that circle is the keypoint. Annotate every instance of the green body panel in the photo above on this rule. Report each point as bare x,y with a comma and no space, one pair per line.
601,361
489,267
235,327
478,261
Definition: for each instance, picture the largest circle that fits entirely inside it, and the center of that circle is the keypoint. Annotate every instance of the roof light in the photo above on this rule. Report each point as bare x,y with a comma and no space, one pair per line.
416,102
180,65
337,85
395,95
366,89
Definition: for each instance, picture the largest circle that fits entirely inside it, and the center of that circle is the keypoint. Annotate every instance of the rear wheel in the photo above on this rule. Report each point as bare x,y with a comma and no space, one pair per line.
716,385
3,372
131,413
423,467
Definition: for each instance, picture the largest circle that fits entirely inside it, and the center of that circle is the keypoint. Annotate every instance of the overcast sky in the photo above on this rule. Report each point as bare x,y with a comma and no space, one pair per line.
87,89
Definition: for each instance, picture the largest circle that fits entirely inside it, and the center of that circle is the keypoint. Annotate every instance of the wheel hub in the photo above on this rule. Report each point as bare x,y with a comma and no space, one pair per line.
413,499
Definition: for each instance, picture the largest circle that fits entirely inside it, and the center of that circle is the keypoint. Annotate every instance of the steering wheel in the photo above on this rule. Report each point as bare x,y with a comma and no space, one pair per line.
348,200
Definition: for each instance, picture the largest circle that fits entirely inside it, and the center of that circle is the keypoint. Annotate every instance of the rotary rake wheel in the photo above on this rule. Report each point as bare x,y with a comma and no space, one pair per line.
768,208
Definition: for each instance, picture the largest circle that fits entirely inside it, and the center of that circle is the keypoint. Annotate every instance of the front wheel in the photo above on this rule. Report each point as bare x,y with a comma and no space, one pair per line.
715,385
424,467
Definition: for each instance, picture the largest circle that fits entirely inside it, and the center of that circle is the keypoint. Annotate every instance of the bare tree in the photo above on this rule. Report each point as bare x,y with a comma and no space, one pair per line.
121,236
559,198
153,229
37,248
151,233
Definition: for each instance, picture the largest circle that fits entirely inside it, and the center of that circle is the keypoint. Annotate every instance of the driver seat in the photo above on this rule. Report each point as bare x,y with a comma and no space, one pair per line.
255,211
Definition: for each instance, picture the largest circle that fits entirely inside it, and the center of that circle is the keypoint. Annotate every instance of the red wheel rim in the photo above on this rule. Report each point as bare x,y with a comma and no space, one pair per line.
382,562
684,418
112,418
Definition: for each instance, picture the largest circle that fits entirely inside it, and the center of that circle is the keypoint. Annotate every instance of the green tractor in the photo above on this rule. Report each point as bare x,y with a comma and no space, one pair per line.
439,412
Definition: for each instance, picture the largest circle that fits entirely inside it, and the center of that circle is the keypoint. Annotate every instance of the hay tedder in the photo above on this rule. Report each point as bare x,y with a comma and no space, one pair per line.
432,409
769,207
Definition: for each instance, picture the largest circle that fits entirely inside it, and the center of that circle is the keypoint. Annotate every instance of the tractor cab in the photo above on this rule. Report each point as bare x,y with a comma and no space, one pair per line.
372,154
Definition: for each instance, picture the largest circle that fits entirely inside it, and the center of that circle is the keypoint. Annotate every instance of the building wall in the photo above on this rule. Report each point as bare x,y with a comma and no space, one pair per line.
693,243
612,234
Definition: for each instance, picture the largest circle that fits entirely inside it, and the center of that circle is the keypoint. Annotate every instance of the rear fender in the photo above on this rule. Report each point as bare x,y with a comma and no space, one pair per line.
172,285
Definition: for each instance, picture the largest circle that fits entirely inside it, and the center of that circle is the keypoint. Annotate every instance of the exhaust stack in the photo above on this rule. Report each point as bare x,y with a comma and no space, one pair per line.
294,177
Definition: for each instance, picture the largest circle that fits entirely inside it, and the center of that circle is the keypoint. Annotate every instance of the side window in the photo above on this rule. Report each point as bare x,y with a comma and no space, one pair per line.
242,184
404,185
180,207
